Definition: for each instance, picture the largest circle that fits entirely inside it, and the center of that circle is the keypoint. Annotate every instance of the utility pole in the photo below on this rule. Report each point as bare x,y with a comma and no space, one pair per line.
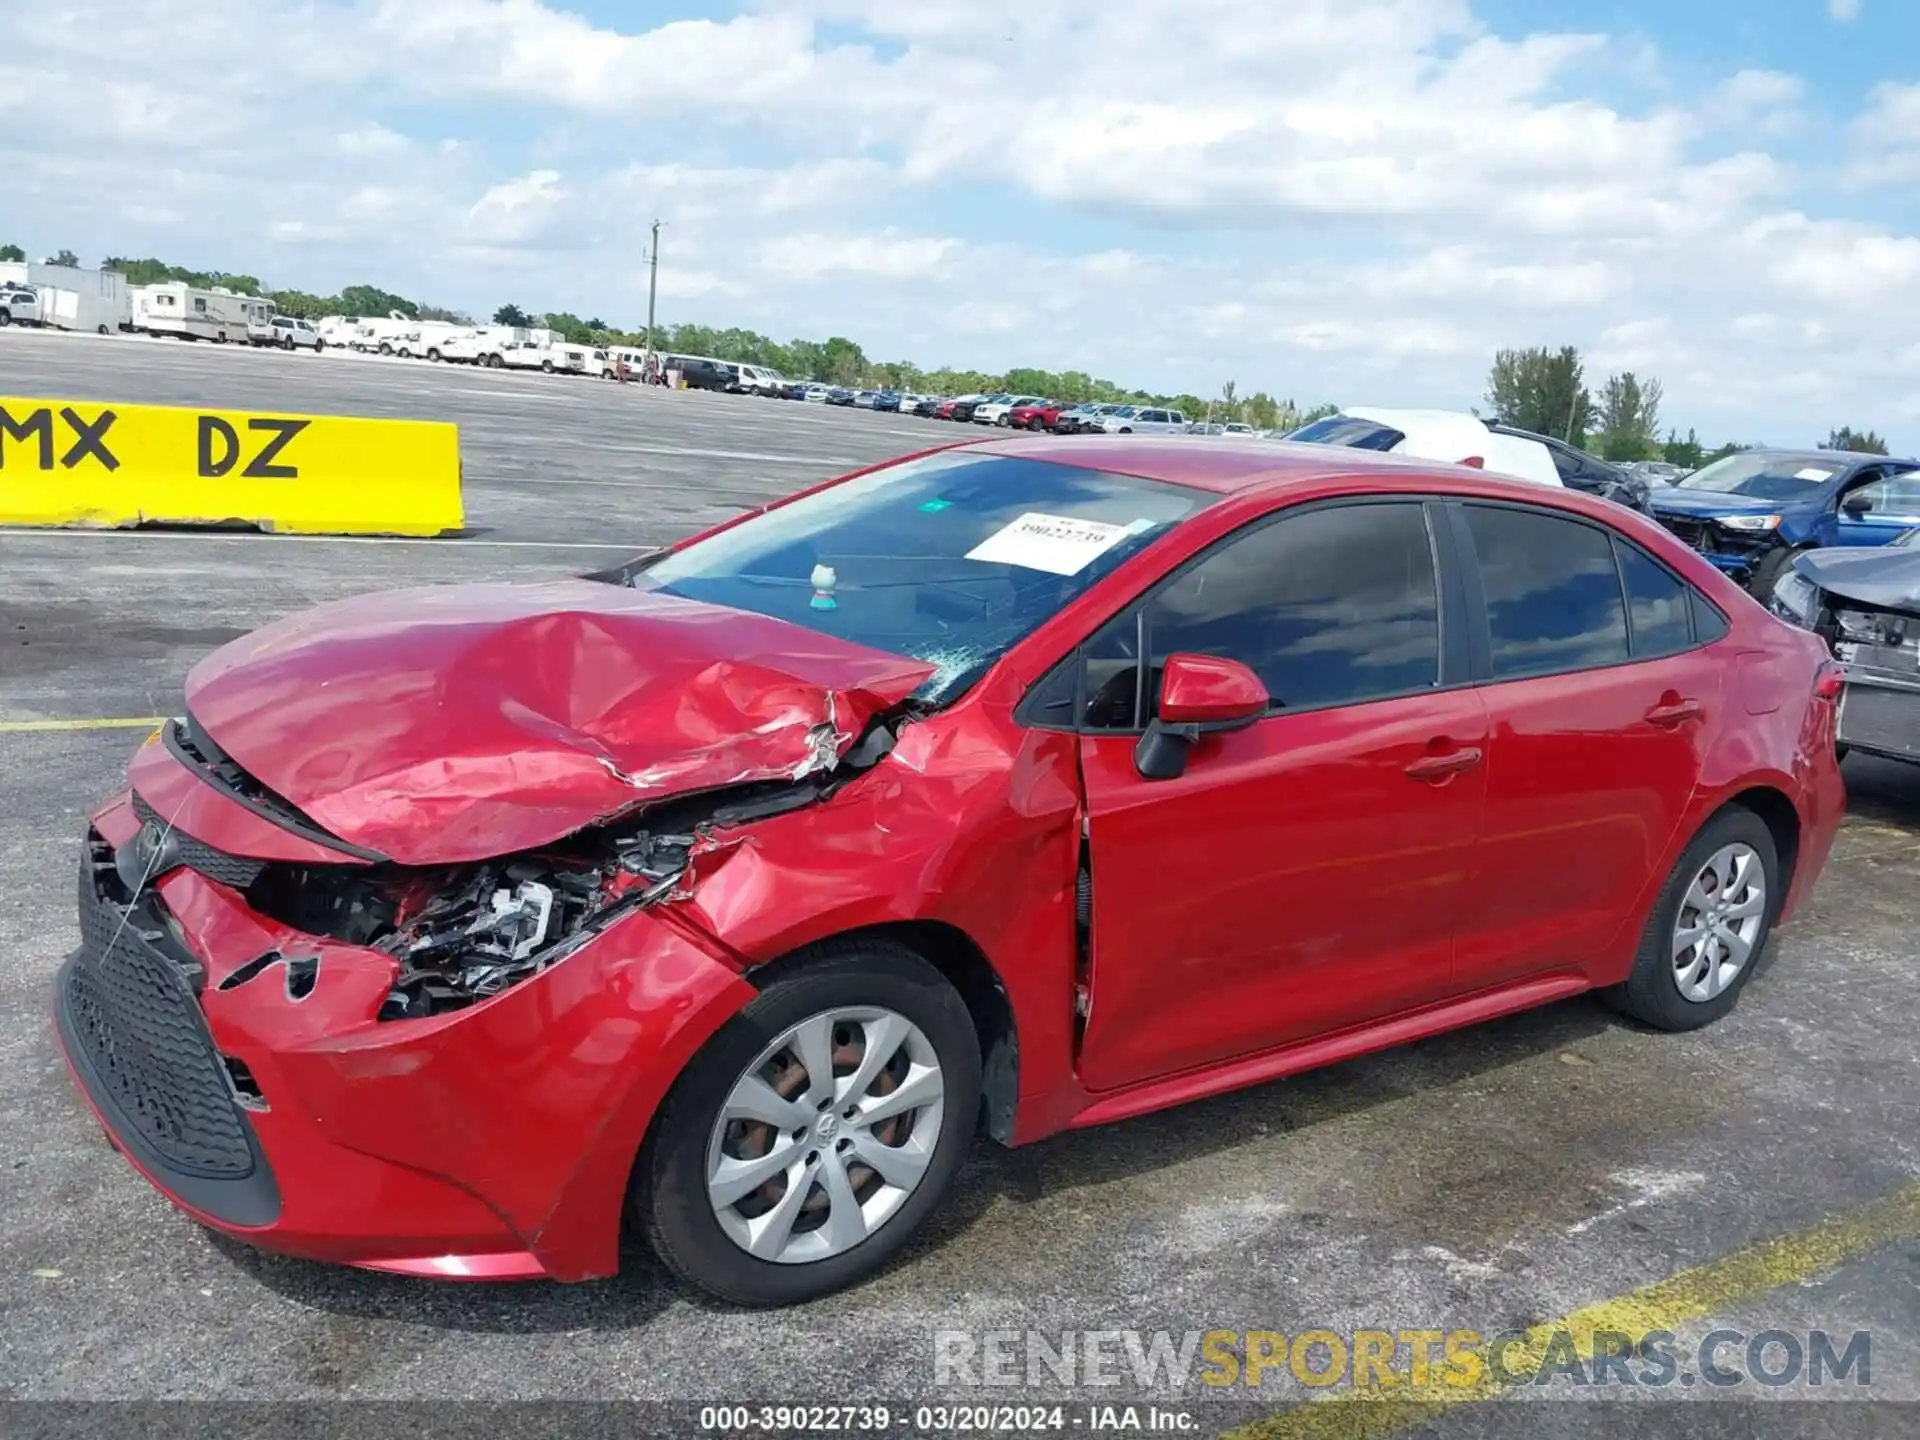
653,282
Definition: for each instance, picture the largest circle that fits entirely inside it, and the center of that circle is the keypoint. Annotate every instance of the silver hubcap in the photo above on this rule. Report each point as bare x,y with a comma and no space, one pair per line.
1719,922
825,1135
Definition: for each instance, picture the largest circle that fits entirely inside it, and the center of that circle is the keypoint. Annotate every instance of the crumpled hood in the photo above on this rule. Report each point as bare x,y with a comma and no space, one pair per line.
457,723
1887,577
1677,500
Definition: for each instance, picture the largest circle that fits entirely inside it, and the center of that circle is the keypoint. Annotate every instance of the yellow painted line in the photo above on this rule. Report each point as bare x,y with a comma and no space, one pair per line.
1711,1289
138,722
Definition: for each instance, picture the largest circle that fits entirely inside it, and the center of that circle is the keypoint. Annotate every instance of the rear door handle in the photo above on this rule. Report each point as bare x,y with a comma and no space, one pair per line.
1676,712
1441,767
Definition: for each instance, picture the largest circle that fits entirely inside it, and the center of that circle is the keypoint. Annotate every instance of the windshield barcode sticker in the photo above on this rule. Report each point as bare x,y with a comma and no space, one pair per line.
1057,544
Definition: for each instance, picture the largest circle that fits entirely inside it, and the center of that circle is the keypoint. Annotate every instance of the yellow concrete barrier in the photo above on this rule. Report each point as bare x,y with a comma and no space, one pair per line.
80,462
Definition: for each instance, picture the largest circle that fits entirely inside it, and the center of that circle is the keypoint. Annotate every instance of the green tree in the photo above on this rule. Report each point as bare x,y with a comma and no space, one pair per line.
303,305
1687,453
845,361
63,257
511,315
1541,390
12,252
1864,442
1629,417
1732,447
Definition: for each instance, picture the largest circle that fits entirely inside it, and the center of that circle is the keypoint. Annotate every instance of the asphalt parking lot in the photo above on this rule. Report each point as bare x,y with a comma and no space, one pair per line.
1492,1179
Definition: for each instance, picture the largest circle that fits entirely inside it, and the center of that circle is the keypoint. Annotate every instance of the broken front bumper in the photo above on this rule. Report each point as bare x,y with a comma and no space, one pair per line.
1880,712
491,1142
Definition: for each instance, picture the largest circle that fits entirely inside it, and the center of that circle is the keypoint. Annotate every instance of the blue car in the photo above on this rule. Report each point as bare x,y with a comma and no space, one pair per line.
1752,512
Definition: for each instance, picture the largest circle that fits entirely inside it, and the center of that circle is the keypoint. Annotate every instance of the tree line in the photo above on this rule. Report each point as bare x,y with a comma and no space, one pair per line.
1538,389
1545,391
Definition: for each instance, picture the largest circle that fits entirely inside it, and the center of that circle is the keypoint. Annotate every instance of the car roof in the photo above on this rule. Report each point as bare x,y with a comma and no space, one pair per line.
1226,466
1835,459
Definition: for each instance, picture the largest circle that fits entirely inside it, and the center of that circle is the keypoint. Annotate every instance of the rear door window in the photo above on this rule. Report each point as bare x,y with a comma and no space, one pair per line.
1333,606
1659,606
1552,592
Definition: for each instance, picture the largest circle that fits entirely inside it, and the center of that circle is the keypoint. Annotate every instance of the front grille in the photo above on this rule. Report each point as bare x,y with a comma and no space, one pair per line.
1691,532
1877,718
132,1011
236,871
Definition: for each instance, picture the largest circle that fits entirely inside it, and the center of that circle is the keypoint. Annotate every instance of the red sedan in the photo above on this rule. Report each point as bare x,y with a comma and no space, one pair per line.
1011,787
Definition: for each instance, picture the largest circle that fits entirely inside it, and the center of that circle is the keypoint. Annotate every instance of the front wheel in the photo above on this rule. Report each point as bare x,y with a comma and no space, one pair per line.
810,1139
1708,928
1766,575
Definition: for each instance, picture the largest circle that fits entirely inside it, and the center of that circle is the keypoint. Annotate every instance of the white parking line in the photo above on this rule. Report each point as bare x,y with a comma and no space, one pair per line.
257,538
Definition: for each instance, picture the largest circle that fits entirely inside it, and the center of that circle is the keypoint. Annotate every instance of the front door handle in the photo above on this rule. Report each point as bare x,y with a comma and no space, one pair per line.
1673,712
1442,767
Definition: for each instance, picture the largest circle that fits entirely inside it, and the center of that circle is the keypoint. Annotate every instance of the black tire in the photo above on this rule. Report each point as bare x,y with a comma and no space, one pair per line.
6,317
1126,429
1767,573
1651,994
434,355
494,362
318,346
99,329
547,366
669,1190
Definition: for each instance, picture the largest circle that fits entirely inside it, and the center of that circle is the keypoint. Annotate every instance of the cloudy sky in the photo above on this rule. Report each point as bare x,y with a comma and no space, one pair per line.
1355,200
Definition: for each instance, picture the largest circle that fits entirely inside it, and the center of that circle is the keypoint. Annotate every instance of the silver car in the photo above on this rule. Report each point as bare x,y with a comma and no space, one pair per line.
1144,420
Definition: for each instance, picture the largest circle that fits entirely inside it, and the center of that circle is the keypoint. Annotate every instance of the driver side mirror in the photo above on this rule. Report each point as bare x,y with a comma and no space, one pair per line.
1199,695
1858,504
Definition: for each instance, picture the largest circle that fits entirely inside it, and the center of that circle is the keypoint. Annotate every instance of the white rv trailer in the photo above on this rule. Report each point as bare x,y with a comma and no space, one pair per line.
174,307
72,298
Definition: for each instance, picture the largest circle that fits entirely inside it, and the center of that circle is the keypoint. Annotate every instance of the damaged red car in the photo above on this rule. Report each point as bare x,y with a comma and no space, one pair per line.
725,898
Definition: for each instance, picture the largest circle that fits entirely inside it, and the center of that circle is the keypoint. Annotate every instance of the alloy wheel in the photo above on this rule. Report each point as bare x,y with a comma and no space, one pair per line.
1719,921
825,1135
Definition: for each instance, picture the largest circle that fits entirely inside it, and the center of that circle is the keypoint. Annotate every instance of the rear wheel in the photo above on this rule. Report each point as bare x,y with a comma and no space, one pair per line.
816,1132
434,356
1708,928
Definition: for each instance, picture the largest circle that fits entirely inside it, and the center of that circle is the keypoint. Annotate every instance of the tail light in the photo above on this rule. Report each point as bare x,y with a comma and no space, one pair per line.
1829,683
1478,462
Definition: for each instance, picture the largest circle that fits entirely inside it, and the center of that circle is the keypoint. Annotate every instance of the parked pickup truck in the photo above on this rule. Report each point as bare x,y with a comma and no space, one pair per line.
19,305
285,332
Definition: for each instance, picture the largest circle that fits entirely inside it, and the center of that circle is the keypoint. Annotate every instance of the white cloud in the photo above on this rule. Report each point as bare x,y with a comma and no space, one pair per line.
1843,9
1321,198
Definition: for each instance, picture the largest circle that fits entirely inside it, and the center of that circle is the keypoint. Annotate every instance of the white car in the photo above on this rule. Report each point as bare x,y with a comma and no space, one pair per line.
995,412
1452,436
1144,420
286,332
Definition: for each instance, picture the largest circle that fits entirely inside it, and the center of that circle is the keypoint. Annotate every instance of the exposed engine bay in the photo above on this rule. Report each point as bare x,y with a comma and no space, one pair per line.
461,934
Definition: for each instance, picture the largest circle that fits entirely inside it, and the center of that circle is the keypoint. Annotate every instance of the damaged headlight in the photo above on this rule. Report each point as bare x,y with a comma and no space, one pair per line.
1794,596
474,941
1747,522
463,935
